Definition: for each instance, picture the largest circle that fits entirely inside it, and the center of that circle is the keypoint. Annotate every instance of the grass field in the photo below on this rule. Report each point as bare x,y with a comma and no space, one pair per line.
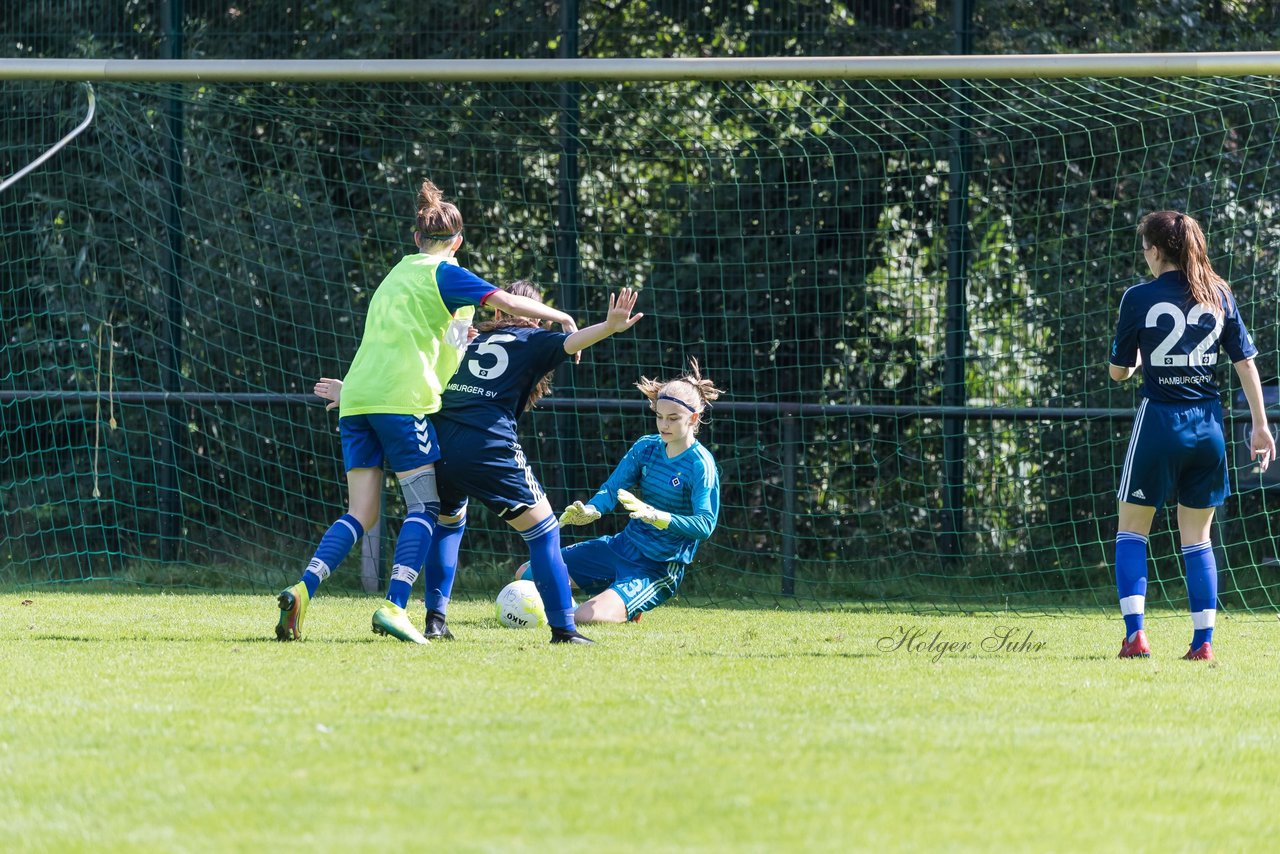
152,722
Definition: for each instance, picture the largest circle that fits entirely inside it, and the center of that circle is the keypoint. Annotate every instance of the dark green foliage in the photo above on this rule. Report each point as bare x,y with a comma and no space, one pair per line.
791,236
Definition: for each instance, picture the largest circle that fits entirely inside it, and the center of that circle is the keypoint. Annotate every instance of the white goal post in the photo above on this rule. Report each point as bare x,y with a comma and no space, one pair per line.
57,146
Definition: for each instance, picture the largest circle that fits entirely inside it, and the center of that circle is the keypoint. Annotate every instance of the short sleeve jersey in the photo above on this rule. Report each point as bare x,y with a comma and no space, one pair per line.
687,486
1180,341
414,336
499,371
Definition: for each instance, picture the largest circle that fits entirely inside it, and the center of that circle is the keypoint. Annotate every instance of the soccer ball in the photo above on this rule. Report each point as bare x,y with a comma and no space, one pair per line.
520,606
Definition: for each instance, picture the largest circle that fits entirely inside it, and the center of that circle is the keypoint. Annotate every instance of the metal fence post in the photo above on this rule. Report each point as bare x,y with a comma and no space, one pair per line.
789,441
954,392
170,521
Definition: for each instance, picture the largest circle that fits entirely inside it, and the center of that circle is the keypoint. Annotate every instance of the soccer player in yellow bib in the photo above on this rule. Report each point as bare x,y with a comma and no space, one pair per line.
414,337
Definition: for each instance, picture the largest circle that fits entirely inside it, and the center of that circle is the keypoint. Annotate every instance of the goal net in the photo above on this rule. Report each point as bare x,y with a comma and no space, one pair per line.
166,315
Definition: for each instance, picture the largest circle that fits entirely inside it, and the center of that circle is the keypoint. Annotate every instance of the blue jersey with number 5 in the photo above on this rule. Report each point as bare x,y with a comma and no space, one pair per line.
1180,340
497,374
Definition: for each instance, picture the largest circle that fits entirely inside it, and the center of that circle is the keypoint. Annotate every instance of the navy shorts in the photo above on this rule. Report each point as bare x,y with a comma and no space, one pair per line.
491,470
407,442
614,563
1177,453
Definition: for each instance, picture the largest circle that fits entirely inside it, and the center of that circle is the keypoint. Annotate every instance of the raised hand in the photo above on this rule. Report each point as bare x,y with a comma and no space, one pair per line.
621,305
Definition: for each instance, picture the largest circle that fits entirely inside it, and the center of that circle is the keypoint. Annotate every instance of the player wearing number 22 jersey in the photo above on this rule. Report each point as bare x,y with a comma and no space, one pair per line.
1177,447
1175,328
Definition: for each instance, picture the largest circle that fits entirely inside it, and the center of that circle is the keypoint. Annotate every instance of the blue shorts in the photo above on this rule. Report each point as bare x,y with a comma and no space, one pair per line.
1176,453
486,468
406,442
614,563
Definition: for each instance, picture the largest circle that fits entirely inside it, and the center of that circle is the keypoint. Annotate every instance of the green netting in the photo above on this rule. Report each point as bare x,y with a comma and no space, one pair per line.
793,236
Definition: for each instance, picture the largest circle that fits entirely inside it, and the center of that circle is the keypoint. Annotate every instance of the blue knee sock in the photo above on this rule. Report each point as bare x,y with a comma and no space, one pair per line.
1131,578
442,564
334,546
1202,590
549,572
411,552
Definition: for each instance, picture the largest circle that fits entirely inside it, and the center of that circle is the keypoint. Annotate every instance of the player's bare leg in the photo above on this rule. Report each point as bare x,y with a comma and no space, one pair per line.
604,607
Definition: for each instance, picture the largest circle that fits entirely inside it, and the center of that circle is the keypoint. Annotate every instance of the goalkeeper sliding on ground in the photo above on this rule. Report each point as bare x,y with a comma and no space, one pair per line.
676,509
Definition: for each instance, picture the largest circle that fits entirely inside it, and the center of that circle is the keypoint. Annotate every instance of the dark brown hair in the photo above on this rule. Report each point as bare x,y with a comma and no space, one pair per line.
521,288
437,219
1180,241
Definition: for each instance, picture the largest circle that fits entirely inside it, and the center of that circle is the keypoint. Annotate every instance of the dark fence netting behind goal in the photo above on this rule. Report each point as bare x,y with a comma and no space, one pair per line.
906,288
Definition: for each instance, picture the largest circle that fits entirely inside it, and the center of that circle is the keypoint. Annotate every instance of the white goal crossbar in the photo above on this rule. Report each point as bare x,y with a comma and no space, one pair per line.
984,67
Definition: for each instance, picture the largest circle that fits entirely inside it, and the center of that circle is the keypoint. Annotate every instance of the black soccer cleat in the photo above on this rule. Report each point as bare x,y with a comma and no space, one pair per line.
436,627
569,636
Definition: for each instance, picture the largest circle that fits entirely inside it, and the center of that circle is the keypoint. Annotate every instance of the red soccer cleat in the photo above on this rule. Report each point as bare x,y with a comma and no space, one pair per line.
1136,648
1204,652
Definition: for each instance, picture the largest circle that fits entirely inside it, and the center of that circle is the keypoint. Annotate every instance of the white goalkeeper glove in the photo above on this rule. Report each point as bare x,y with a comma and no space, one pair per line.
578,513
647,513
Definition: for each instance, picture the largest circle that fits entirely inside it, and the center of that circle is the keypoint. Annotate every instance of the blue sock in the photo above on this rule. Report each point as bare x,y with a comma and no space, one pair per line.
549,572
1131,578
334,546
1202,590
411,552
442,564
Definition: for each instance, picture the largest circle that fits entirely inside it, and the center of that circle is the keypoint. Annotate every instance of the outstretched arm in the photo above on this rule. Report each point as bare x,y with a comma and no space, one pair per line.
525,307
1261,442
619,319
698,525
624,475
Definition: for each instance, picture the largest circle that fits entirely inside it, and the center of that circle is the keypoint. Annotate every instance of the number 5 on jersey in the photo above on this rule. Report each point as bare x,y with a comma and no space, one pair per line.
491,347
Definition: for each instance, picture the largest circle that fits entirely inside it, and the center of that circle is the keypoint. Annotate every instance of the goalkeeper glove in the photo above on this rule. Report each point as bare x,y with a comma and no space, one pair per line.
578,513
659,519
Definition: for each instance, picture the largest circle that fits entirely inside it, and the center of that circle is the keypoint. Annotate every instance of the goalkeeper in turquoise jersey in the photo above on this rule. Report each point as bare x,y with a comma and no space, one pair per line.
669,483
414,336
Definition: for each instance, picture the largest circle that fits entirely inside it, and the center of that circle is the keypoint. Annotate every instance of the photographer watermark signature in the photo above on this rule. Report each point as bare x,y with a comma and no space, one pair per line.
932,644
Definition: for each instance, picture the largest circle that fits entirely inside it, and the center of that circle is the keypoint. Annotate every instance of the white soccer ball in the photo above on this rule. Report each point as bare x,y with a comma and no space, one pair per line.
520,606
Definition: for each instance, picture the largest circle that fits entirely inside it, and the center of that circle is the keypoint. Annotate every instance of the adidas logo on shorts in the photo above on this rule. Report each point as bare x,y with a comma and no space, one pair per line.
1137,493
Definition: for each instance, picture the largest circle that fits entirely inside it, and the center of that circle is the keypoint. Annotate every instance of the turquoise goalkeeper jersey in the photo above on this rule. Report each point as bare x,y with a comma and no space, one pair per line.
687,486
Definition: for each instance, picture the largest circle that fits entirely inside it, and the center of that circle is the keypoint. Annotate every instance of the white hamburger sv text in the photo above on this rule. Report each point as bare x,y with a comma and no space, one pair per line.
471,389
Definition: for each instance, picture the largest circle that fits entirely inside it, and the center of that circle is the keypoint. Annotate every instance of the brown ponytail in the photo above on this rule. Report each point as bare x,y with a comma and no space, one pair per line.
1181,241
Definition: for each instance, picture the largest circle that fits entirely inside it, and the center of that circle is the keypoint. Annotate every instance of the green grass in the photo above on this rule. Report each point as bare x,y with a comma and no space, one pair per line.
144,721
